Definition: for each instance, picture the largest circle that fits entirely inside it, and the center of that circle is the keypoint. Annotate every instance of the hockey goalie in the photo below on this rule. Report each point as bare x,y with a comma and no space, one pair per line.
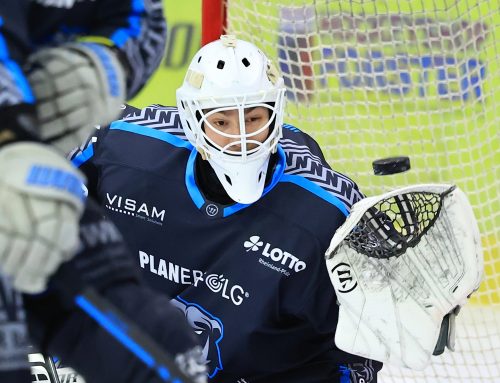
402,265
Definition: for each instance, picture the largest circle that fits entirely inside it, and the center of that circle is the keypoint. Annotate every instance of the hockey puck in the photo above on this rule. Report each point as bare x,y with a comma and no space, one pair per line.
391,165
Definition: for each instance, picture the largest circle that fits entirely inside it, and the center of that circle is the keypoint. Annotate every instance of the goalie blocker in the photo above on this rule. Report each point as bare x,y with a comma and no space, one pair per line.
401,265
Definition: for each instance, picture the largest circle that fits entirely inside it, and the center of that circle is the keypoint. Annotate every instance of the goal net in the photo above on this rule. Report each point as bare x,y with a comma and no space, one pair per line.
372,79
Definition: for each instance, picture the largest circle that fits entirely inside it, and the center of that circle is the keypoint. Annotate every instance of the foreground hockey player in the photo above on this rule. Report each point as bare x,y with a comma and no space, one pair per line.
64,66
58,327
230,211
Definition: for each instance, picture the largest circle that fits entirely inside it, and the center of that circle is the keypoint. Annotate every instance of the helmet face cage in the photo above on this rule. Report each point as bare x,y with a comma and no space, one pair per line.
244,145
228,75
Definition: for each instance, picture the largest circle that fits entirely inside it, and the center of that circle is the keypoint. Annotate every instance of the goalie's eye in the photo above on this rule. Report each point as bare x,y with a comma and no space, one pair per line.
252,120
220,123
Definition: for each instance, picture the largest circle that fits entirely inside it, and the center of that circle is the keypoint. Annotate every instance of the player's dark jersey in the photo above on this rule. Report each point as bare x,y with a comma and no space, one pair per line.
58,327
250,279
135,27
14,341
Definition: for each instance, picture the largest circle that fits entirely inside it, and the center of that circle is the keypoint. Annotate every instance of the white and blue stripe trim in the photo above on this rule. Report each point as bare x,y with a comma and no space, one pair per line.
315,189
291,127
84,156
153,133
88,153
192,188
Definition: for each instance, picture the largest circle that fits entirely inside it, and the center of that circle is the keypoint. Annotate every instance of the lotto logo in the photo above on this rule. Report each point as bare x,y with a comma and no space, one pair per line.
275,254
254,243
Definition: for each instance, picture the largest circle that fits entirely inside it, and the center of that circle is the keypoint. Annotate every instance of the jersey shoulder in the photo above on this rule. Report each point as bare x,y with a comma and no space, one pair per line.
161,123
306,164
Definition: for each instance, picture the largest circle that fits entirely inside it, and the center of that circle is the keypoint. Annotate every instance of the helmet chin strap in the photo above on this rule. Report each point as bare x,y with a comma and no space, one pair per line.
211,187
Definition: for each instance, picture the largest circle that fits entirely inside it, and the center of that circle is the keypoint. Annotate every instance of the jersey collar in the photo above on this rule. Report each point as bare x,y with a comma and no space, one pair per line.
213,209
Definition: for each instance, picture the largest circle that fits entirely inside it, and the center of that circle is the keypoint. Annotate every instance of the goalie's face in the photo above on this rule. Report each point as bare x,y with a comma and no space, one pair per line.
230,132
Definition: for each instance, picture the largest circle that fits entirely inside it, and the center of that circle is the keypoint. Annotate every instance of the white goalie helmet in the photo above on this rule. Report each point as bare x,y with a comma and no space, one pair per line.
231,75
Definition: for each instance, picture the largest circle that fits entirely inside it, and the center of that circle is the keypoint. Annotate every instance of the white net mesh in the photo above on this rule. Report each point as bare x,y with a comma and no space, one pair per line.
371,79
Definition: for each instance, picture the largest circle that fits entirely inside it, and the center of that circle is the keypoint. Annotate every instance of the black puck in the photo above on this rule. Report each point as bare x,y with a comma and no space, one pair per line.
391,165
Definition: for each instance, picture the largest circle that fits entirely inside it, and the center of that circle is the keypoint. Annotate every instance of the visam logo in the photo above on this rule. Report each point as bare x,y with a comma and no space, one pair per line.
130,206
276,255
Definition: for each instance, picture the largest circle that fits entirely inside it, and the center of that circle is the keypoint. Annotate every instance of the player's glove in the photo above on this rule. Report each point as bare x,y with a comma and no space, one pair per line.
77,86
41,200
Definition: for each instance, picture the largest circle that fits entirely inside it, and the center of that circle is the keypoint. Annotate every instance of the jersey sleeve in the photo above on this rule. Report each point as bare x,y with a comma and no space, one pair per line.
17,111
14,365
137,28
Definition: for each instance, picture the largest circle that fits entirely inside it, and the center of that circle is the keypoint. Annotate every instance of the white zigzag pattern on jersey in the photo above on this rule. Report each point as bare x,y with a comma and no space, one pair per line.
294,148
299,162
162,118
286,143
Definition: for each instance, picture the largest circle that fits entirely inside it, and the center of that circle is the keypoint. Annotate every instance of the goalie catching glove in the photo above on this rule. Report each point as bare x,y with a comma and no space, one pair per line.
401,265
41,201
77,86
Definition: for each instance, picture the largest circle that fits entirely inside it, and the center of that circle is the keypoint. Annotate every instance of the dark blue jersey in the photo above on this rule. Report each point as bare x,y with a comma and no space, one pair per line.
14,341
250,279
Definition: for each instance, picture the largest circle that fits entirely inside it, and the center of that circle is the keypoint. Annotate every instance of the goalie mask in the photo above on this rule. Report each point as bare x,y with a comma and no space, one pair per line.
233,81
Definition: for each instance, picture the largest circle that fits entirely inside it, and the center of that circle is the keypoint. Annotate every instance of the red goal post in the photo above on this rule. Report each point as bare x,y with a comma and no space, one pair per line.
381,78
213,20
